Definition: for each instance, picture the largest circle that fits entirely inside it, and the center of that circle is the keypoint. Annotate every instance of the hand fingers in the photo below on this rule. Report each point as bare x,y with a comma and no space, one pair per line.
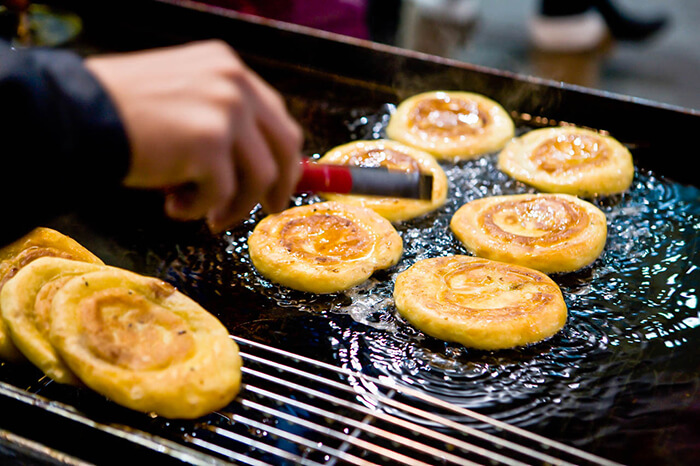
284,138
263,153
256,172
288,158
194,199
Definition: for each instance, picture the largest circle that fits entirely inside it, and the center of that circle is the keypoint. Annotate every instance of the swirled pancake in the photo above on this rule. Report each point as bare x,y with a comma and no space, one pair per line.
140,342
324,247
26,309
451,124
39,242
569,160
547,232
395,156
480,303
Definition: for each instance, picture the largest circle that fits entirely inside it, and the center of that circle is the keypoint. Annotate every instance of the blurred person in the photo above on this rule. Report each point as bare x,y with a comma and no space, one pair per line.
383,20
192,121
437,27
346,17
443,27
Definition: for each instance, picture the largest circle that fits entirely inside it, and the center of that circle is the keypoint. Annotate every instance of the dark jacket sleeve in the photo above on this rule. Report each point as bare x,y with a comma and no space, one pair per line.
61,139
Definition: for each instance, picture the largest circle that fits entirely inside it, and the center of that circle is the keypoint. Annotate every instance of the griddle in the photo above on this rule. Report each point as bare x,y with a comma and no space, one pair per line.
341,378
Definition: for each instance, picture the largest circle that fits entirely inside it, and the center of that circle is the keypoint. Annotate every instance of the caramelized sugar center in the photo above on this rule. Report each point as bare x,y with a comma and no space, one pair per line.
326,238
493,291
128,330
539,221
383,157
569,152
448,117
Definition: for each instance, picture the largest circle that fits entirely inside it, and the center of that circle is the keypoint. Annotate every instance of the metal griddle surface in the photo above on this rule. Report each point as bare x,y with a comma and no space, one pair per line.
621,380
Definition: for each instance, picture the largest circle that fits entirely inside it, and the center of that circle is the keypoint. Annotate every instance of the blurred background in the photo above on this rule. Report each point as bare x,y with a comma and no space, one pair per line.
643,48
648,49
663,66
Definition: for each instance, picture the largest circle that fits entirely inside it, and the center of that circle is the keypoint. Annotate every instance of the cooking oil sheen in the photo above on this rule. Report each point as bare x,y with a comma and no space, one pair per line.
633,313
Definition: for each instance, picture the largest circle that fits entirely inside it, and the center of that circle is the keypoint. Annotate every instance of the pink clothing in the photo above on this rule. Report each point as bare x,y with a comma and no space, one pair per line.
347,17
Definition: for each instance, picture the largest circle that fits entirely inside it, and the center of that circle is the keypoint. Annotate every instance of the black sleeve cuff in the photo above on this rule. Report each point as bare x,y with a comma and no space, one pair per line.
62,139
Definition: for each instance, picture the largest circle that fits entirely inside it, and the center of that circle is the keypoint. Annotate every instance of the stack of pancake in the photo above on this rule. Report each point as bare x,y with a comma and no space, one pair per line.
134,339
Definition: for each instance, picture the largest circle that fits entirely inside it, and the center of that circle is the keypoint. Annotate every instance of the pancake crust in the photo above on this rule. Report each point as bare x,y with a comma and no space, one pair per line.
451,124
324,247
480,303
569,160
39,242
26,308
8,350
143,344
547,232
395,156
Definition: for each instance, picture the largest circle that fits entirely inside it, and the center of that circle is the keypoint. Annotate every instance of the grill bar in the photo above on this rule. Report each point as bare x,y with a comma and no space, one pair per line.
298,439
298,410
72,416
232,455
338,435
32,451
497,450
544,442
393,420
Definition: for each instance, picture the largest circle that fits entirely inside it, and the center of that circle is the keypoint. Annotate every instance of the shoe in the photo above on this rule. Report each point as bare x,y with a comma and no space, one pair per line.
567,26
627,28
583,25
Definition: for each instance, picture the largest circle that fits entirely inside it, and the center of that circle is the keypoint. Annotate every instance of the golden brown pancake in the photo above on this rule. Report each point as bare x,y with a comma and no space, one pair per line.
26,308
324,247
140,342
40,242
394,156
547,232
451,124
8,350
569,160
480,303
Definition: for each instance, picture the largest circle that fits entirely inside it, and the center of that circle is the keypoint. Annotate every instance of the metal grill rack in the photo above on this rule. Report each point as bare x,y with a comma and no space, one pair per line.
297,410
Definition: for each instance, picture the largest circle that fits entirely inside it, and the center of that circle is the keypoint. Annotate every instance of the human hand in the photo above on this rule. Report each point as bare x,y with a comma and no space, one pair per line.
205,128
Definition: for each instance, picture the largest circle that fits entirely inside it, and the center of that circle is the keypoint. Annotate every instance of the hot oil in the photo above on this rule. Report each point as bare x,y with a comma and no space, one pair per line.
624,369
633,314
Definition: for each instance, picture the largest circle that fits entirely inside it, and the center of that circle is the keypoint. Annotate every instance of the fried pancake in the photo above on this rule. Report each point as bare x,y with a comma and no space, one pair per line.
8,350
26,308
451,124
569,160
546,232
324,247
394,156
480,303
40,242
140,342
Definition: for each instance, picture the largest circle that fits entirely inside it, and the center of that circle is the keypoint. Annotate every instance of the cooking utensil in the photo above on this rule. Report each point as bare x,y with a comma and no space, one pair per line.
375,181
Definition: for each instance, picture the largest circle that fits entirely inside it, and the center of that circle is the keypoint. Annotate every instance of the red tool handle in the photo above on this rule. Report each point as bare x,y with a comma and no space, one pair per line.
317,177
